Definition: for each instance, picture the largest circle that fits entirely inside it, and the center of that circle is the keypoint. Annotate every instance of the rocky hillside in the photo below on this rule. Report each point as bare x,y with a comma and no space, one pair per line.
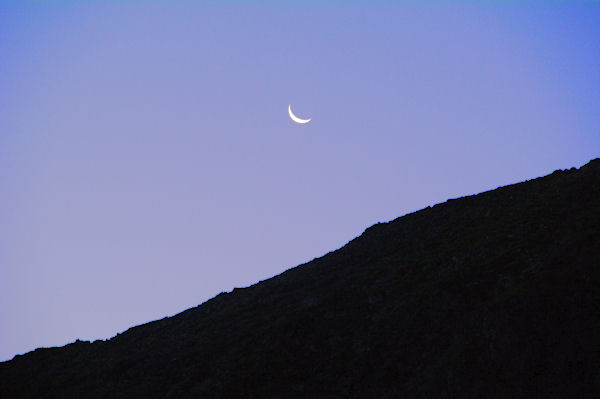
495,295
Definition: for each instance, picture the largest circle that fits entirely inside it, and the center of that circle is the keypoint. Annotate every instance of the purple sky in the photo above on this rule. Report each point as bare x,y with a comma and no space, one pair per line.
147,161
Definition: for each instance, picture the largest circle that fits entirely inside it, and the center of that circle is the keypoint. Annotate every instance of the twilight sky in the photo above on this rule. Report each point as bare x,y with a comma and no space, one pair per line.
147,161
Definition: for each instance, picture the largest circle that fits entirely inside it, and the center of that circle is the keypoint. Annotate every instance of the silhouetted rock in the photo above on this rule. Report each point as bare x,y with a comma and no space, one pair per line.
495,295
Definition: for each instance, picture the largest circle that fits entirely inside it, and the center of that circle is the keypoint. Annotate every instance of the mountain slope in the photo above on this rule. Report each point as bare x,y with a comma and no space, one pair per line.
492,295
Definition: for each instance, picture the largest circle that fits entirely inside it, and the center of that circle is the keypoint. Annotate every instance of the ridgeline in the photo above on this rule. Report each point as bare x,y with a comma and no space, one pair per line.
495,295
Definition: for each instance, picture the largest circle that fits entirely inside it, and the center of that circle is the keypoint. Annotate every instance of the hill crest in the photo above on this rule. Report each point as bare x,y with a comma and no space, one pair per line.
488,294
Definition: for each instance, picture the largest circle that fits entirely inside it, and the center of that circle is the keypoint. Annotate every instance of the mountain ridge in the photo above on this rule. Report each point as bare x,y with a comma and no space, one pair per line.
419,306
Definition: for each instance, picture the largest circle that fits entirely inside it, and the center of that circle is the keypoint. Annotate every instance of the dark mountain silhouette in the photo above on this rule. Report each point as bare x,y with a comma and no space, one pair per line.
495,295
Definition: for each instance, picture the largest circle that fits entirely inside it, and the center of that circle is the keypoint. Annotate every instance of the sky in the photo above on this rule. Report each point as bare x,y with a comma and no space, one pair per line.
148,162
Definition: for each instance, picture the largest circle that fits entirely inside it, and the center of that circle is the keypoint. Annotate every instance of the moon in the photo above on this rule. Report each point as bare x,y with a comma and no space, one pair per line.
295,118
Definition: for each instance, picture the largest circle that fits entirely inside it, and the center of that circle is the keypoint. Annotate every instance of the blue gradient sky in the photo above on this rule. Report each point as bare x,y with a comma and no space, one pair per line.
147,161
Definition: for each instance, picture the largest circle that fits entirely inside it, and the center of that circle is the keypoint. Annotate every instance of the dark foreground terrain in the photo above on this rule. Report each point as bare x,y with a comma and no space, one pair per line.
495,295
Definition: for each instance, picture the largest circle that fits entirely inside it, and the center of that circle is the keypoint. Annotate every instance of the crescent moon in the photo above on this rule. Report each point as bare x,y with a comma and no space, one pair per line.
295,118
